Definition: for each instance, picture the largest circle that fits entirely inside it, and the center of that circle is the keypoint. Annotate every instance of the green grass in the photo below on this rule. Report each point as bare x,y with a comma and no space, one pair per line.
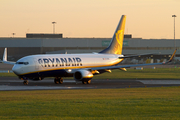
104,104
7,75
159,73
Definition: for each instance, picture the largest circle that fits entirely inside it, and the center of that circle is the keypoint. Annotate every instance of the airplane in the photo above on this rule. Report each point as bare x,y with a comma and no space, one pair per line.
80,66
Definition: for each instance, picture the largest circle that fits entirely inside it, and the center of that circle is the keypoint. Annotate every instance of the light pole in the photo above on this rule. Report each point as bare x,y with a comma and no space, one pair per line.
174,31
53,27
13,34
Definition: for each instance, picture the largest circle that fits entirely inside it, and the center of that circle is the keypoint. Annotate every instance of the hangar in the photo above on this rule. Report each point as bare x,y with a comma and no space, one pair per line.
19,47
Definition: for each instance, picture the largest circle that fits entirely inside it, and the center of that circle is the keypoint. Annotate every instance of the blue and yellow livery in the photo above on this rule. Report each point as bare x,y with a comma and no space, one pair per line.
80,66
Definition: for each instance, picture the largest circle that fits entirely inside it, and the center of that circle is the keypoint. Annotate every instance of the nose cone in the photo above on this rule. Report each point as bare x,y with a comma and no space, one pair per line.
16,69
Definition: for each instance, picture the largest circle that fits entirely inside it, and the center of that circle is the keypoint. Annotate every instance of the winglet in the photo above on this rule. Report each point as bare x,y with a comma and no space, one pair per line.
5,55
172,56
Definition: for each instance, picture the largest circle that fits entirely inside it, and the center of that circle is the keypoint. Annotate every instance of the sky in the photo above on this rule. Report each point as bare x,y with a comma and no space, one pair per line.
147,19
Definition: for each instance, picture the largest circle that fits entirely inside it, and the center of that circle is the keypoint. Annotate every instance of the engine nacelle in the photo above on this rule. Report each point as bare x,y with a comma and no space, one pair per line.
81,75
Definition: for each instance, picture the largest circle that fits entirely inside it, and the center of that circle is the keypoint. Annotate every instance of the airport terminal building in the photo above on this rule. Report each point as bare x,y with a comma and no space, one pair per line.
19,47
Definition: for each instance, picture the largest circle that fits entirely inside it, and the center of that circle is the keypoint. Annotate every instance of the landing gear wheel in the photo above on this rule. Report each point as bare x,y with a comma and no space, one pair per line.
56,81
84,82
89,81
60,81
25,82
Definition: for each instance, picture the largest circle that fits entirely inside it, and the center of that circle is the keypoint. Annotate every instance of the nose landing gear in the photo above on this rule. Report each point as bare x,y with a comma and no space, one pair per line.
25,82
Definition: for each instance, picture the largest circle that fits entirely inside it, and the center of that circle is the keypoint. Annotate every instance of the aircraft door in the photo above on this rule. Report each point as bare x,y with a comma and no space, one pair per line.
36,64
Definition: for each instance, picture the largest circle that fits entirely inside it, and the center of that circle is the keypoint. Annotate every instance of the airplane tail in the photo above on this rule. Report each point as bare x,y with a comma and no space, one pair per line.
116,44
5,58
5,55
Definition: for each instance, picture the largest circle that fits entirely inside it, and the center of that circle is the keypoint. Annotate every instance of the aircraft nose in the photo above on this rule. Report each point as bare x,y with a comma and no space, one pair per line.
16,69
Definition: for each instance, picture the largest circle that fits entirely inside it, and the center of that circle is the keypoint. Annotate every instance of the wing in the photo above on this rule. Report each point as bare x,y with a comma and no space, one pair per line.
124,66
131,56
5,58
135,65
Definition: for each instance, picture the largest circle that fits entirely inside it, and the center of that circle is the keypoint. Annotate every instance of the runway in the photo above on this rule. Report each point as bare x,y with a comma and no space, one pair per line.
13,83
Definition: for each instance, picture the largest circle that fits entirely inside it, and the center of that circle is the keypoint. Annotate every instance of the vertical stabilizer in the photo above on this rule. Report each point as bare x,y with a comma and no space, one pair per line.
5,55
5,58
116,44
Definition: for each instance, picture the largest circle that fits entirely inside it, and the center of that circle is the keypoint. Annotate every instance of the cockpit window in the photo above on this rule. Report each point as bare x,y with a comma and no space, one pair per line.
25,63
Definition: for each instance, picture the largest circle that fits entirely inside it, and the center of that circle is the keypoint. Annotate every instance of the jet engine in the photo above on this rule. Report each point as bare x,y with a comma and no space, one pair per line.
83,75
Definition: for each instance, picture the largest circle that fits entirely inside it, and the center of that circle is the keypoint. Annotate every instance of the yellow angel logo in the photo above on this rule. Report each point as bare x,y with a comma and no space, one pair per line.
118,36
118,47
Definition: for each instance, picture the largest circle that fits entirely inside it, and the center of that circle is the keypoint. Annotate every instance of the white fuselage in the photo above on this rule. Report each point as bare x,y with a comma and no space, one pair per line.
51,62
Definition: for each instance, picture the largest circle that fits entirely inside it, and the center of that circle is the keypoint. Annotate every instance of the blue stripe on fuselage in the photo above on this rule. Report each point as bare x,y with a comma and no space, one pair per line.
53,73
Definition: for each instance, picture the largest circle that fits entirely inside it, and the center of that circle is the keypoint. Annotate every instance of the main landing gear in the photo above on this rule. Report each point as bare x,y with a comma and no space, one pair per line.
25,82
58,80
86,81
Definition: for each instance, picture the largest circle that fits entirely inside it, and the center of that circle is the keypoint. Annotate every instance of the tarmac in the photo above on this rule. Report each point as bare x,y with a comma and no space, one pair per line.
13,83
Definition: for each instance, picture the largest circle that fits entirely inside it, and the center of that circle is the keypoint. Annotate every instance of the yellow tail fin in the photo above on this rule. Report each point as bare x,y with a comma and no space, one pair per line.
116,44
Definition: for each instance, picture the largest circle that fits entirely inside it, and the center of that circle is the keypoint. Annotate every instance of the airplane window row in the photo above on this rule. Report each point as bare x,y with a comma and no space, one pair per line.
25,63
63,65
